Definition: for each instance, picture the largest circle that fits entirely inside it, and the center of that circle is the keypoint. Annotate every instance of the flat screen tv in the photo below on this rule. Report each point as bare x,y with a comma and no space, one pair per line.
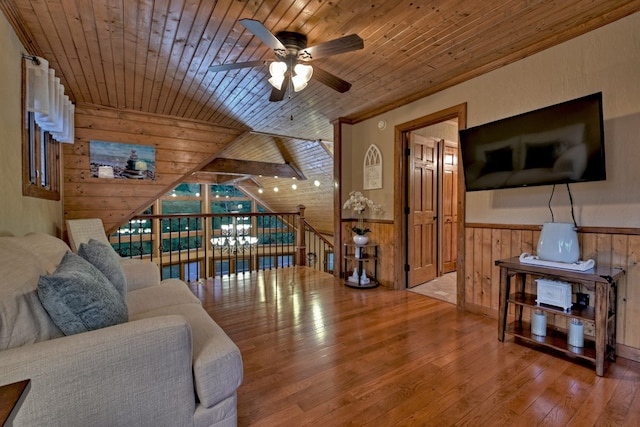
562,143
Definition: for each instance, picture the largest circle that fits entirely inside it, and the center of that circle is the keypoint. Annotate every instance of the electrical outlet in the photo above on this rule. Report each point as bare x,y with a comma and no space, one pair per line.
589,329
582,299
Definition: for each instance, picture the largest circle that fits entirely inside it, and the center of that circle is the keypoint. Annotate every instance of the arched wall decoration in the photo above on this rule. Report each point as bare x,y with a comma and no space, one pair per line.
372,168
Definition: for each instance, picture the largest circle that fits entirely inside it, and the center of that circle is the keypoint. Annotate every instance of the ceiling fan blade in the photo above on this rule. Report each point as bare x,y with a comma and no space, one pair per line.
227,67
334,82
261,32
278,94
332,47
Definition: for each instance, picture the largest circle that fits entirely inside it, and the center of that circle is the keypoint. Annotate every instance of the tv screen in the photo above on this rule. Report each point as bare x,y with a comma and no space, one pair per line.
562,143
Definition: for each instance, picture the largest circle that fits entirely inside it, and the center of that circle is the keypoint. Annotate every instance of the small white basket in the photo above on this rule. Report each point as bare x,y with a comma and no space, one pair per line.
554,293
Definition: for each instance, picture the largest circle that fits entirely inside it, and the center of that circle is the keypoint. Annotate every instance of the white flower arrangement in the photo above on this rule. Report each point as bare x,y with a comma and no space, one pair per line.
359,203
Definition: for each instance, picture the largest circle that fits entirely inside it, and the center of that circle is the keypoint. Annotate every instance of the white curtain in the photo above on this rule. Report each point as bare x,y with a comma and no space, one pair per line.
53,110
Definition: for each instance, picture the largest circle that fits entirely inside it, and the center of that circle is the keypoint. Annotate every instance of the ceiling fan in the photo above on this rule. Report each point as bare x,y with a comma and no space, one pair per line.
292,54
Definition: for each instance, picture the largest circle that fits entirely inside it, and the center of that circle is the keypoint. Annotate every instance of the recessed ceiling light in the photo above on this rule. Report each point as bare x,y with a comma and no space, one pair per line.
275,189
294,186
260,190
316,183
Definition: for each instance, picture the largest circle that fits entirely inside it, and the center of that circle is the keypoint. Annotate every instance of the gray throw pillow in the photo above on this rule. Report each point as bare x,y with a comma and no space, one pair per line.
79,298
105,259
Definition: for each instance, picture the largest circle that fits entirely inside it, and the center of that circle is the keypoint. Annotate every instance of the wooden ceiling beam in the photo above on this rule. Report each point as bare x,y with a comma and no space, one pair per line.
248,167
288,158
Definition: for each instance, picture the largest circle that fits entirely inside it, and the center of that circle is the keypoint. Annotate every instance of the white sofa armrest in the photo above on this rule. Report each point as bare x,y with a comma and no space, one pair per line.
140,273
138,373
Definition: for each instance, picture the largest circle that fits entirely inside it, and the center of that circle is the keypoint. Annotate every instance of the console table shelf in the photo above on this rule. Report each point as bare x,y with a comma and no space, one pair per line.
555,339
529,300
361,258
602,281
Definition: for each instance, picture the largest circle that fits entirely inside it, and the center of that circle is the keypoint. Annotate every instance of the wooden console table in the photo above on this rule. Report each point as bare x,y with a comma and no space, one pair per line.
601,280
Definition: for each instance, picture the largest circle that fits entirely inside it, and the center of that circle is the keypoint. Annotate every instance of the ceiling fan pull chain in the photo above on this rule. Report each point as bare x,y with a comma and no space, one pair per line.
290,103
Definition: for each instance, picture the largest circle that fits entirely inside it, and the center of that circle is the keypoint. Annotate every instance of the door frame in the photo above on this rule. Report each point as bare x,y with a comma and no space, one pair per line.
401,197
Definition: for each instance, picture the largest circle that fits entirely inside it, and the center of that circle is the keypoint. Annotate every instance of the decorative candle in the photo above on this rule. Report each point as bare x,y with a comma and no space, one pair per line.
105,172
141,165
539,323
576,333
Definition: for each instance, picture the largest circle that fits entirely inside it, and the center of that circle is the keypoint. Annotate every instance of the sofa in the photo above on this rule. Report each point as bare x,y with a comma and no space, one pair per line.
167,363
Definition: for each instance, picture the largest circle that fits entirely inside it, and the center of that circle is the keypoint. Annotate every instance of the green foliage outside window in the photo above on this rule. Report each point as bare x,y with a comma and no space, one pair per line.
287,238
181,224
133,249
180,244
270,221
225,191
186,190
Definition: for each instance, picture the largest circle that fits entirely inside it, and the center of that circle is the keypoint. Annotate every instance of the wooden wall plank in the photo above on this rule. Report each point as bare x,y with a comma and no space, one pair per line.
487,262
496,249
469,267
476,297
631,305
620,258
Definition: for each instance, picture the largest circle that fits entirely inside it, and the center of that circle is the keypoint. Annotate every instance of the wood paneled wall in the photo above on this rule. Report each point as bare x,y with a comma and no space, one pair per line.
182,147
485,243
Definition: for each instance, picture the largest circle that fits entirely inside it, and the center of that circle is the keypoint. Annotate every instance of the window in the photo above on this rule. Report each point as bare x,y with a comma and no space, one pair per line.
171,271
182,233
134,239
48,119
40,162
192,271
329,262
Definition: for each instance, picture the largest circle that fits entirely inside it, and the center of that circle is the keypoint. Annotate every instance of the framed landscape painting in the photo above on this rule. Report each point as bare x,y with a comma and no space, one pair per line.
122,161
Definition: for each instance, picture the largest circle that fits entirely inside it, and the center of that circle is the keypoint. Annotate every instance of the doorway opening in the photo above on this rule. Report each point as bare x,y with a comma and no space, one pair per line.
432,200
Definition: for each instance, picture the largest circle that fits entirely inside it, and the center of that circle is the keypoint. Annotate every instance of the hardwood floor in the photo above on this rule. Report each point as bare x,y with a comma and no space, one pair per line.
319,353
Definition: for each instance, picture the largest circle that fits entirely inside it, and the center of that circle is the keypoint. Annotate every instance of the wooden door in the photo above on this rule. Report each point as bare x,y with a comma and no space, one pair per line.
449,206
422,230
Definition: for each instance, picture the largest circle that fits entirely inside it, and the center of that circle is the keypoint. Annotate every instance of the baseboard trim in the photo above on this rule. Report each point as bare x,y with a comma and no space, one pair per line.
627,352
478,309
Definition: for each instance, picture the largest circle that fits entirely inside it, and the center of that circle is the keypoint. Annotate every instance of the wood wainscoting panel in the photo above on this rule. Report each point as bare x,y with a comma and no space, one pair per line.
485,243
181,148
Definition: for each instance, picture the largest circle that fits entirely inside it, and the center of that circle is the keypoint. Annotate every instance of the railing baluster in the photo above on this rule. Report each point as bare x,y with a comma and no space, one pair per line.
278,244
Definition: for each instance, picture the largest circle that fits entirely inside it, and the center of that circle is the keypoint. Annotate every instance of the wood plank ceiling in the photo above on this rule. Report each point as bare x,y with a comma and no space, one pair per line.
152,56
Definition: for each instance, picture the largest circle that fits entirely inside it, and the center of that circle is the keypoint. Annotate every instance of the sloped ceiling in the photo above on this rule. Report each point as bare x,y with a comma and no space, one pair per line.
152,56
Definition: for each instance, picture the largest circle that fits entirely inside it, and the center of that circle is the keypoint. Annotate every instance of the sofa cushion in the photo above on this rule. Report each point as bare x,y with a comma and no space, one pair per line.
217,363
168,292
79,298
140,273
105,259
23,320
48,249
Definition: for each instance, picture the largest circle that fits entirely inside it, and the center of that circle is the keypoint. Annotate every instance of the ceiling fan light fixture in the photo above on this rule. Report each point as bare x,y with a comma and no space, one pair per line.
302,76
277,71
276,82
